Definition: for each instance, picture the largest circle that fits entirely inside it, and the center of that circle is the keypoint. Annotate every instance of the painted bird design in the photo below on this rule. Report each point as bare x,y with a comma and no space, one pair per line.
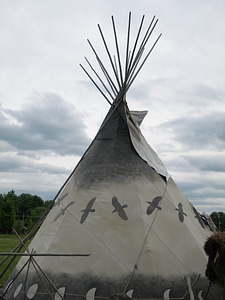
61,198
63,210
119,208
181,213
87,210
198,217
153,205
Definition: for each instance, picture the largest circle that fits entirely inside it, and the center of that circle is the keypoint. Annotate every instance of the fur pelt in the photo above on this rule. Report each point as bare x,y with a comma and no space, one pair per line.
215,249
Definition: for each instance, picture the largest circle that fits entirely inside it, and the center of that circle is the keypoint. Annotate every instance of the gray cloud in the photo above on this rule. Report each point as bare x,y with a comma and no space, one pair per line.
208,162
204,91
48,123
199,132
18,164
205,189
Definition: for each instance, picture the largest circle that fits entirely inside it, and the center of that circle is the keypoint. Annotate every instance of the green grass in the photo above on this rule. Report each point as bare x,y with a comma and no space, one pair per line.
7,243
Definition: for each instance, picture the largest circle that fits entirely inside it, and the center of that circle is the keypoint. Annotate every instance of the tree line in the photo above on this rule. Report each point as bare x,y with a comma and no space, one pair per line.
219,220
20,212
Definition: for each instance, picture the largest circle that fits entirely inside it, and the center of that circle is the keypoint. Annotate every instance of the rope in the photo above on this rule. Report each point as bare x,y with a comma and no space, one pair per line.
99,297
31,259
210,283
37,269
142,248
9,286
26,277
24,240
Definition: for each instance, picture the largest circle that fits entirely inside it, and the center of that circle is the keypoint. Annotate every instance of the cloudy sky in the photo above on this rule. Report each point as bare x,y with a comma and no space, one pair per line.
50,111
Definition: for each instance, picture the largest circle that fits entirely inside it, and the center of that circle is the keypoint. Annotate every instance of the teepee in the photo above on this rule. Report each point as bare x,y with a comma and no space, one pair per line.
119,225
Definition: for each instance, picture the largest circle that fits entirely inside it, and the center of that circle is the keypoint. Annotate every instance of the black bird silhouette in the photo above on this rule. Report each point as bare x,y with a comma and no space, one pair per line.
119,208
181,213
63,210
153,205
61,198
198,217
87,210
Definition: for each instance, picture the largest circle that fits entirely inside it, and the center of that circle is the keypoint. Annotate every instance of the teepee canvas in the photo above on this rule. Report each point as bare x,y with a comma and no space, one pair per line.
119,225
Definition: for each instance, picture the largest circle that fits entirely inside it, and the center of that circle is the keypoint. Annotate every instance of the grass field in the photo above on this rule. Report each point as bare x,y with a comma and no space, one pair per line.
7,243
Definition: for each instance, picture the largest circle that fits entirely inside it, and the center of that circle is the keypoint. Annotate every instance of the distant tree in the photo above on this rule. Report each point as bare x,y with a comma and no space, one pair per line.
47,203
20,211
219,220
24,205
35,215
1,198
10,195
7,212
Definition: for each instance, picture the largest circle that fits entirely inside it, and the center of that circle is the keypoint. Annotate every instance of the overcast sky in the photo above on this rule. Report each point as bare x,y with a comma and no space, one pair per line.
50,111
